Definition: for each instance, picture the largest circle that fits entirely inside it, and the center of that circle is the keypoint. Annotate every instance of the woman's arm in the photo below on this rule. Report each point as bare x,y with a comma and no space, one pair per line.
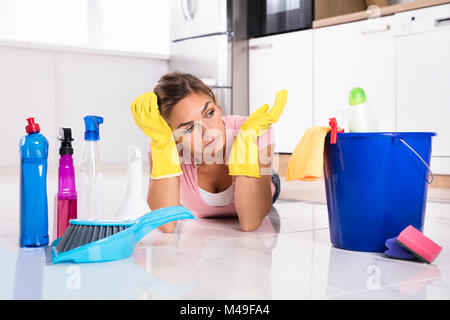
253,196
163,193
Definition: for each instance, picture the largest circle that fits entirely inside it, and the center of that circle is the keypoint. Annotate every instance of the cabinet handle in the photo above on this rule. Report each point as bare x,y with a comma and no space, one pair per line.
442,22
261,46
185,10
384,28
192,8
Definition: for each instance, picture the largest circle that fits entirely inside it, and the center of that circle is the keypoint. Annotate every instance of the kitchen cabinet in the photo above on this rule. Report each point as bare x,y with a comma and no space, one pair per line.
357,54
422,44
283,62
195,18
401,61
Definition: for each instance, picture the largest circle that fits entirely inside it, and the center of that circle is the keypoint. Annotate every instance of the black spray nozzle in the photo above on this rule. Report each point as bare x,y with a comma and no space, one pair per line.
65,136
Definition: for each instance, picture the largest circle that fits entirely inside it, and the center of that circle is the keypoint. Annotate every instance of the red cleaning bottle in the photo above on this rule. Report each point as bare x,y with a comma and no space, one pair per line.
66,202
334,130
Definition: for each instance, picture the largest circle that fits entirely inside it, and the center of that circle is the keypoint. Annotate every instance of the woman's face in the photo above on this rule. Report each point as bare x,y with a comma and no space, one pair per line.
196,122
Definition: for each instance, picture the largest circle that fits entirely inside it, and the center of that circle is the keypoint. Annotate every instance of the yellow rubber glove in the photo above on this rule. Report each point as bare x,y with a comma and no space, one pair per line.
146,115
244,155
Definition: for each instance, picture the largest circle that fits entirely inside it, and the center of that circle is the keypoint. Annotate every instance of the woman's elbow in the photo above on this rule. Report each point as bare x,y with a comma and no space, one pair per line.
249,227
251,221
168,227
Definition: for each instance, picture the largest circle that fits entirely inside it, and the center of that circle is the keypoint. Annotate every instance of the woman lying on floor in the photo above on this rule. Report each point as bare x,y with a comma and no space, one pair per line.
213,165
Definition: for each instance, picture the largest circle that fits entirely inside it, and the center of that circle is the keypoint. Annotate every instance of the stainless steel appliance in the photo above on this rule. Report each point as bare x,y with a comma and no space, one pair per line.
267,17
209,40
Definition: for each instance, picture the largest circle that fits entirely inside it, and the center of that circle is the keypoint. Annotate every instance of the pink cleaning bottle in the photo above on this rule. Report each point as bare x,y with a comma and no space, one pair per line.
66,199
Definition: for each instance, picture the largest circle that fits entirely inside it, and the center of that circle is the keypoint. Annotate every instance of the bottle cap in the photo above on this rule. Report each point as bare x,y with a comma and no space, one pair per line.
357,96
32,127
65,136
92,124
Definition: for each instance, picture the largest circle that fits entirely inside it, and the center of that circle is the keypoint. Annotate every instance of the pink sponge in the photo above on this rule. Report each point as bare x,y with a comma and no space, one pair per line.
421,246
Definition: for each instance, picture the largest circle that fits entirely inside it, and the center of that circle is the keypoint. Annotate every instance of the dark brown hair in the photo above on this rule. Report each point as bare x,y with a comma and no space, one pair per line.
175,86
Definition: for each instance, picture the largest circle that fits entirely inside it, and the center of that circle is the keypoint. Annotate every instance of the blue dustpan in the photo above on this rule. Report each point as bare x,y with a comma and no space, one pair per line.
97,241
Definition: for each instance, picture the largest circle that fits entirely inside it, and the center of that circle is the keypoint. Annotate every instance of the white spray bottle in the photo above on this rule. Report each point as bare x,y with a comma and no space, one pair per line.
90,181
134,204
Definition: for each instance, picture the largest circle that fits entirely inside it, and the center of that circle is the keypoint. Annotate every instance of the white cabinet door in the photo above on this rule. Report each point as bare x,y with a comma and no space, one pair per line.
283,62
191,18
179,22
358,54
207,16
423,78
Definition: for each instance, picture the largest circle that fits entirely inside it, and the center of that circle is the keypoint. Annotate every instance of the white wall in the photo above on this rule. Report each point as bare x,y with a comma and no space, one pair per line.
59,88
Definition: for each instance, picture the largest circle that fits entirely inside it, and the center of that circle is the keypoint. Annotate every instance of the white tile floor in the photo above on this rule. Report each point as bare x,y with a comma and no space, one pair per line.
288,257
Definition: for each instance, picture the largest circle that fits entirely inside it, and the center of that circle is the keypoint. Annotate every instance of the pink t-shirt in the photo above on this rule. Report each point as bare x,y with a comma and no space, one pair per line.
189,190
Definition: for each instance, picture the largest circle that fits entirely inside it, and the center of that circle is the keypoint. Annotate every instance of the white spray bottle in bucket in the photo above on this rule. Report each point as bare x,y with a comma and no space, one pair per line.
134,204
359,113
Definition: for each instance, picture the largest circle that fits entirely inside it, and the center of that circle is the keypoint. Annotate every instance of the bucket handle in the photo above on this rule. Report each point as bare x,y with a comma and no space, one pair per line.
429,170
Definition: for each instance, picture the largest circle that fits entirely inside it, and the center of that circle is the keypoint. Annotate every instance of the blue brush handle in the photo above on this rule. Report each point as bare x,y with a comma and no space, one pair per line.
158,217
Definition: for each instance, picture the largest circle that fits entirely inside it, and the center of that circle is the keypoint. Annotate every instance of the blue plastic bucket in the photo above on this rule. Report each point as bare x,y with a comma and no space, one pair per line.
376,185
